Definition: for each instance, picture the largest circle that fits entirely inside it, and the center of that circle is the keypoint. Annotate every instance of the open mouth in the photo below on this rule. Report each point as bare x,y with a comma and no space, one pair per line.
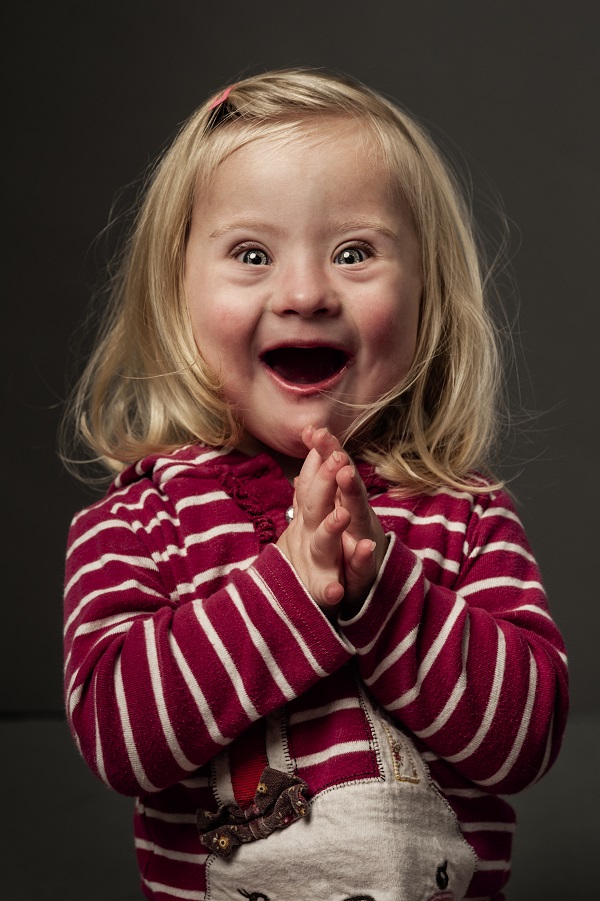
306,365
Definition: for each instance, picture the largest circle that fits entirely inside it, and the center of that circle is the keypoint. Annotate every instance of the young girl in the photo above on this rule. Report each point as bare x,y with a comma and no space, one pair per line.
302,627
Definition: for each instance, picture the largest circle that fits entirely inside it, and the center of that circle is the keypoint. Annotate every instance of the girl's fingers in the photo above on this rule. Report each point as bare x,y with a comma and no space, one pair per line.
313,496
362,562
364,523
313,541
333,595
309,469
317,487
307,436
321,440
325,542
325,548
354,498
360,572
359,558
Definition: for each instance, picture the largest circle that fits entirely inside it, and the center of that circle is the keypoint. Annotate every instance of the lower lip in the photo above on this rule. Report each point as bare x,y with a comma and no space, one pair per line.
308,389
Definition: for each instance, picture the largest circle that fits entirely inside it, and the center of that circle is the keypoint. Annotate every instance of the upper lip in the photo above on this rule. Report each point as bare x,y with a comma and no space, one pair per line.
300,343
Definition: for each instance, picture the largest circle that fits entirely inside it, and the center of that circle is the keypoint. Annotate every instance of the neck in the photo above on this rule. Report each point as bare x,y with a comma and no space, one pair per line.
290,466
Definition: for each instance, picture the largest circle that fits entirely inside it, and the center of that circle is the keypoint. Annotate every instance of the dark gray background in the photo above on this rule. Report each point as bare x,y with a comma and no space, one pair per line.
94,90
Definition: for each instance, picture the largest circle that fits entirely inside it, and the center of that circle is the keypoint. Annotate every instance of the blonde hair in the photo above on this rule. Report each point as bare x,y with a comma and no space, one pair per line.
145,388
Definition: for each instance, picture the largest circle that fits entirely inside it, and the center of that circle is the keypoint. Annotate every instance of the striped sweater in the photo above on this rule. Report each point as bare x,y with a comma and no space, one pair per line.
185,625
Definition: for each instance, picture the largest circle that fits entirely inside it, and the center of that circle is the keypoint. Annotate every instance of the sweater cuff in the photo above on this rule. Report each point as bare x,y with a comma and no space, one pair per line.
285,590
398,571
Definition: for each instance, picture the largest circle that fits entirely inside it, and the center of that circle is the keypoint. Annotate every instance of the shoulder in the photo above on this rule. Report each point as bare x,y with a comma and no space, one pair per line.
159,469
459,505
153,484
474,516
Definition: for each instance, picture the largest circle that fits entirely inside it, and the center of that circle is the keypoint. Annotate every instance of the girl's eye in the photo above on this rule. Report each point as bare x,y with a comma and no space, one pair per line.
254,257
350,256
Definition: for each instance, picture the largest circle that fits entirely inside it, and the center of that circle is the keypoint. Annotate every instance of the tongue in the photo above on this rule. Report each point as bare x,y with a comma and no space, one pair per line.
305,365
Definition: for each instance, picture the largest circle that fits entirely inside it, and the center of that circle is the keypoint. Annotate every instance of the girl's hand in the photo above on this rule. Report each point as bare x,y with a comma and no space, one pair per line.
364,543
313,540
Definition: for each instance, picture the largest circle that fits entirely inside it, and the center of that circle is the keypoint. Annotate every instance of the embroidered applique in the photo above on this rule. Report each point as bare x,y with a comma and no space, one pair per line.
442,879
402,762
402,840
441,875
443,896
258,896
279,801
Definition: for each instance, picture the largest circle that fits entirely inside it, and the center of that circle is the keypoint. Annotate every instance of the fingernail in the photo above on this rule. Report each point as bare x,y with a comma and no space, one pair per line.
336,456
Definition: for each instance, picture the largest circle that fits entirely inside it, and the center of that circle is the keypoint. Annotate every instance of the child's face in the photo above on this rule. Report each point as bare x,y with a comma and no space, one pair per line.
303,282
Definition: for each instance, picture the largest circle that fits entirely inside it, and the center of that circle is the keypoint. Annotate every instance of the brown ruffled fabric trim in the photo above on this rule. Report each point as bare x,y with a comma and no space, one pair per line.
279,801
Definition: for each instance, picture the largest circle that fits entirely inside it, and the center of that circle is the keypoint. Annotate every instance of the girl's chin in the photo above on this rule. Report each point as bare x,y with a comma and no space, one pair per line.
288,451
291,447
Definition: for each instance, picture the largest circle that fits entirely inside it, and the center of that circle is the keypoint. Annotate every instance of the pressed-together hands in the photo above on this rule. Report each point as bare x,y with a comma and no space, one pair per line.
335,542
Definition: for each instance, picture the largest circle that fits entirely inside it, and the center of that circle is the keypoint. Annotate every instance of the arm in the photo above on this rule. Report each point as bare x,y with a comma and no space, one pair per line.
161,675
472,665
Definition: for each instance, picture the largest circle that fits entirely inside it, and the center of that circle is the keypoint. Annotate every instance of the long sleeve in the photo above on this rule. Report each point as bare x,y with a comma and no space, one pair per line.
178,633
456,641
184,624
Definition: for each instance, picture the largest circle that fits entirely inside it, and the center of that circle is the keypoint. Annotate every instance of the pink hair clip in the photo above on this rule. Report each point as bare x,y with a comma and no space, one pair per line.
222,97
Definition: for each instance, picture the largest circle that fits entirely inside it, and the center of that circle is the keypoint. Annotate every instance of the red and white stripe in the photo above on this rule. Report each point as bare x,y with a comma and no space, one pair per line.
184,625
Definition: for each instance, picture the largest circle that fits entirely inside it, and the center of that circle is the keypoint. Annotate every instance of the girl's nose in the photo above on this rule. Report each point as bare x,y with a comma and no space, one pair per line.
305,289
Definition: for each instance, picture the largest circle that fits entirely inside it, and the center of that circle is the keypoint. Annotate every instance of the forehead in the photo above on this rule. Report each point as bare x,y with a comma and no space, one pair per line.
331,159
306,131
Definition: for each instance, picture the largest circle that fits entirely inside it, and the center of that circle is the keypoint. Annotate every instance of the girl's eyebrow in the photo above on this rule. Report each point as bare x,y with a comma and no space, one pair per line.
336,226
246,225
375,225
